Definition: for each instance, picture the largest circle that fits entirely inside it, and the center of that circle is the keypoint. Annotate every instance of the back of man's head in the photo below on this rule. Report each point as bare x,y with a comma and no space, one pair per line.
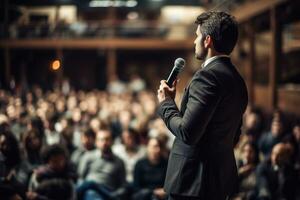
221,27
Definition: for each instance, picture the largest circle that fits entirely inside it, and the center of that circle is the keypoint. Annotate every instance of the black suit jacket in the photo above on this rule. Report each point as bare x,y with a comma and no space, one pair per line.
201,162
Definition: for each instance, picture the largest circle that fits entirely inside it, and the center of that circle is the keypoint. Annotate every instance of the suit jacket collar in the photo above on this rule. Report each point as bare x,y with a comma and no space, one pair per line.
209,60
212,60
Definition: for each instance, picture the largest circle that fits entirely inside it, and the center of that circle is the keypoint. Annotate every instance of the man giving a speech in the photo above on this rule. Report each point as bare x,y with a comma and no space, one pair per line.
201,163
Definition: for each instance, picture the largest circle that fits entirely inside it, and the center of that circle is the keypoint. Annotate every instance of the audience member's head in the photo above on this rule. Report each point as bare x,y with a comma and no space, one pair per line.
67,135
55,157
281,154
130,138
32,141
50,124
9,147
296,131
76,115
88,139
71,102
37,124
154,150
12,112
60,106
277,127
104,140
95,124
250,153
253,122
125,118
4,127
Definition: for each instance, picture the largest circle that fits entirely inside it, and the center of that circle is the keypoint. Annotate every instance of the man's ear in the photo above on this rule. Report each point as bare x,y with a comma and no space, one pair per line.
208,41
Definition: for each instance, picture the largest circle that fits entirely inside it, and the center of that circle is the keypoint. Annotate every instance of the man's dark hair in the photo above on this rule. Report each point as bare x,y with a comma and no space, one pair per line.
221,27
10,149
89,133
134,133
53,150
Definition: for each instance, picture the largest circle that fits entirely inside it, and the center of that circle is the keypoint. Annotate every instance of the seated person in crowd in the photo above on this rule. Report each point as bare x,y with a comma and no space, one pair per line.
253,123
87,144
52,136
294,140
102,174
149,173
246,170
130,151
271,138
32,145
12,171
276,177
56,166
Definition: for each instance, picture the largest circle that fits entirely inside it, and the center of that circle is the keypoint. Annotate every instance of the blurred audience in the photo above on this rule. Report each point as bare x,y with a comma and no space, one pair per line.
61,143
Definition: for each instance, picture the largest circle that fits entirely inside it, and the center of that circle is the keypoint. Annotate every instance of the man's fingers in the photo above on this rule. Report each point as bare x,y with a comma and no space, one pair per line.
164,85
161,87
175,83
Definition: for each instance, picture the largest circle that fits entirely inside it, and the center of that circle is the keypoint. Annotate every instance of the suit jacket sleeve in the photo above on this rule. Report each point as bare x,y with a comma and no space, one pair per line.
238,133
203,98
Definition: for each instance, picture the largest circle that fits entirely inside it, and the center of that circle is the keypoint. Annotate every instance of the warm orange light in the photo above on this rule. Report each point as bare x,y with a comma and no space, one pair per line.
55,65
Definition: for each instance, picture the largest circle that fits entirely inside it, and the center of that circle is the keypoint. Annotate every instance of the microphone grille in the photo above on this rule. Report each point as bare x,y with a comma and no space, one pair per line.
179,63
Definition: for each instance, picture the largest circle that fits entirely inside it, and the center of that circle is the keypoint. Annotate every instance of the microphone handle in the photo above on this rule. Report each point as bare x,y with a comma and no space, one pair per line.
172,77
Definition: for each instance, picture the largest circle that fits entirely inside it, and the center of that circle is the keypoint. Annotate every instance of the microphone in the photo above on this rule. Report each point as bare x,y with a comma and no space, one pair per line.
178,67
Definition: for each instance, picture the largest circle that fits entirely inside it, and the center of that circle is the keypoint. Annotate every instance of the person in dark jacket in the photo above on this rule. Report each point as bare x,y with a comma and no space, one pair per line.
269,139
149,173
276,177
201,163
56,166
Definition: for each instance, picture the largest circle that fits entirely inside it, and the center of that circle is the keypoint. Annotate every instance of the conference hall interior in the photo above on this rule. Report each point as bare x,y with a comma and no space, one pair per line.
78,96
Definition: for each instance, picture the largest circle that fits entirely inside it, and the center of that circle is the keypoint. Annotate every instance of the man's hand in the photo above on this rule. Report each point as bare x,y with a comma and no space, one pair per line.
160,193
165,91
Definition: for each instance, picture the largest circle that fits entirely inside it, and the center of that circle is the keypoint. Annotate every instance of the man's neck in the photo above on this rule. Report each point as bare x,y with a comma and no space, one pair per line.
212,53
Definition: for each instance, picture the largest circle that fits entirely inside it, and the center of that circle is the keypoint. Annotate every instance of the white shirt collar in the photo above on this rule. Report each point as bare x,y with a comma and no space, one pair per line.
209,60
